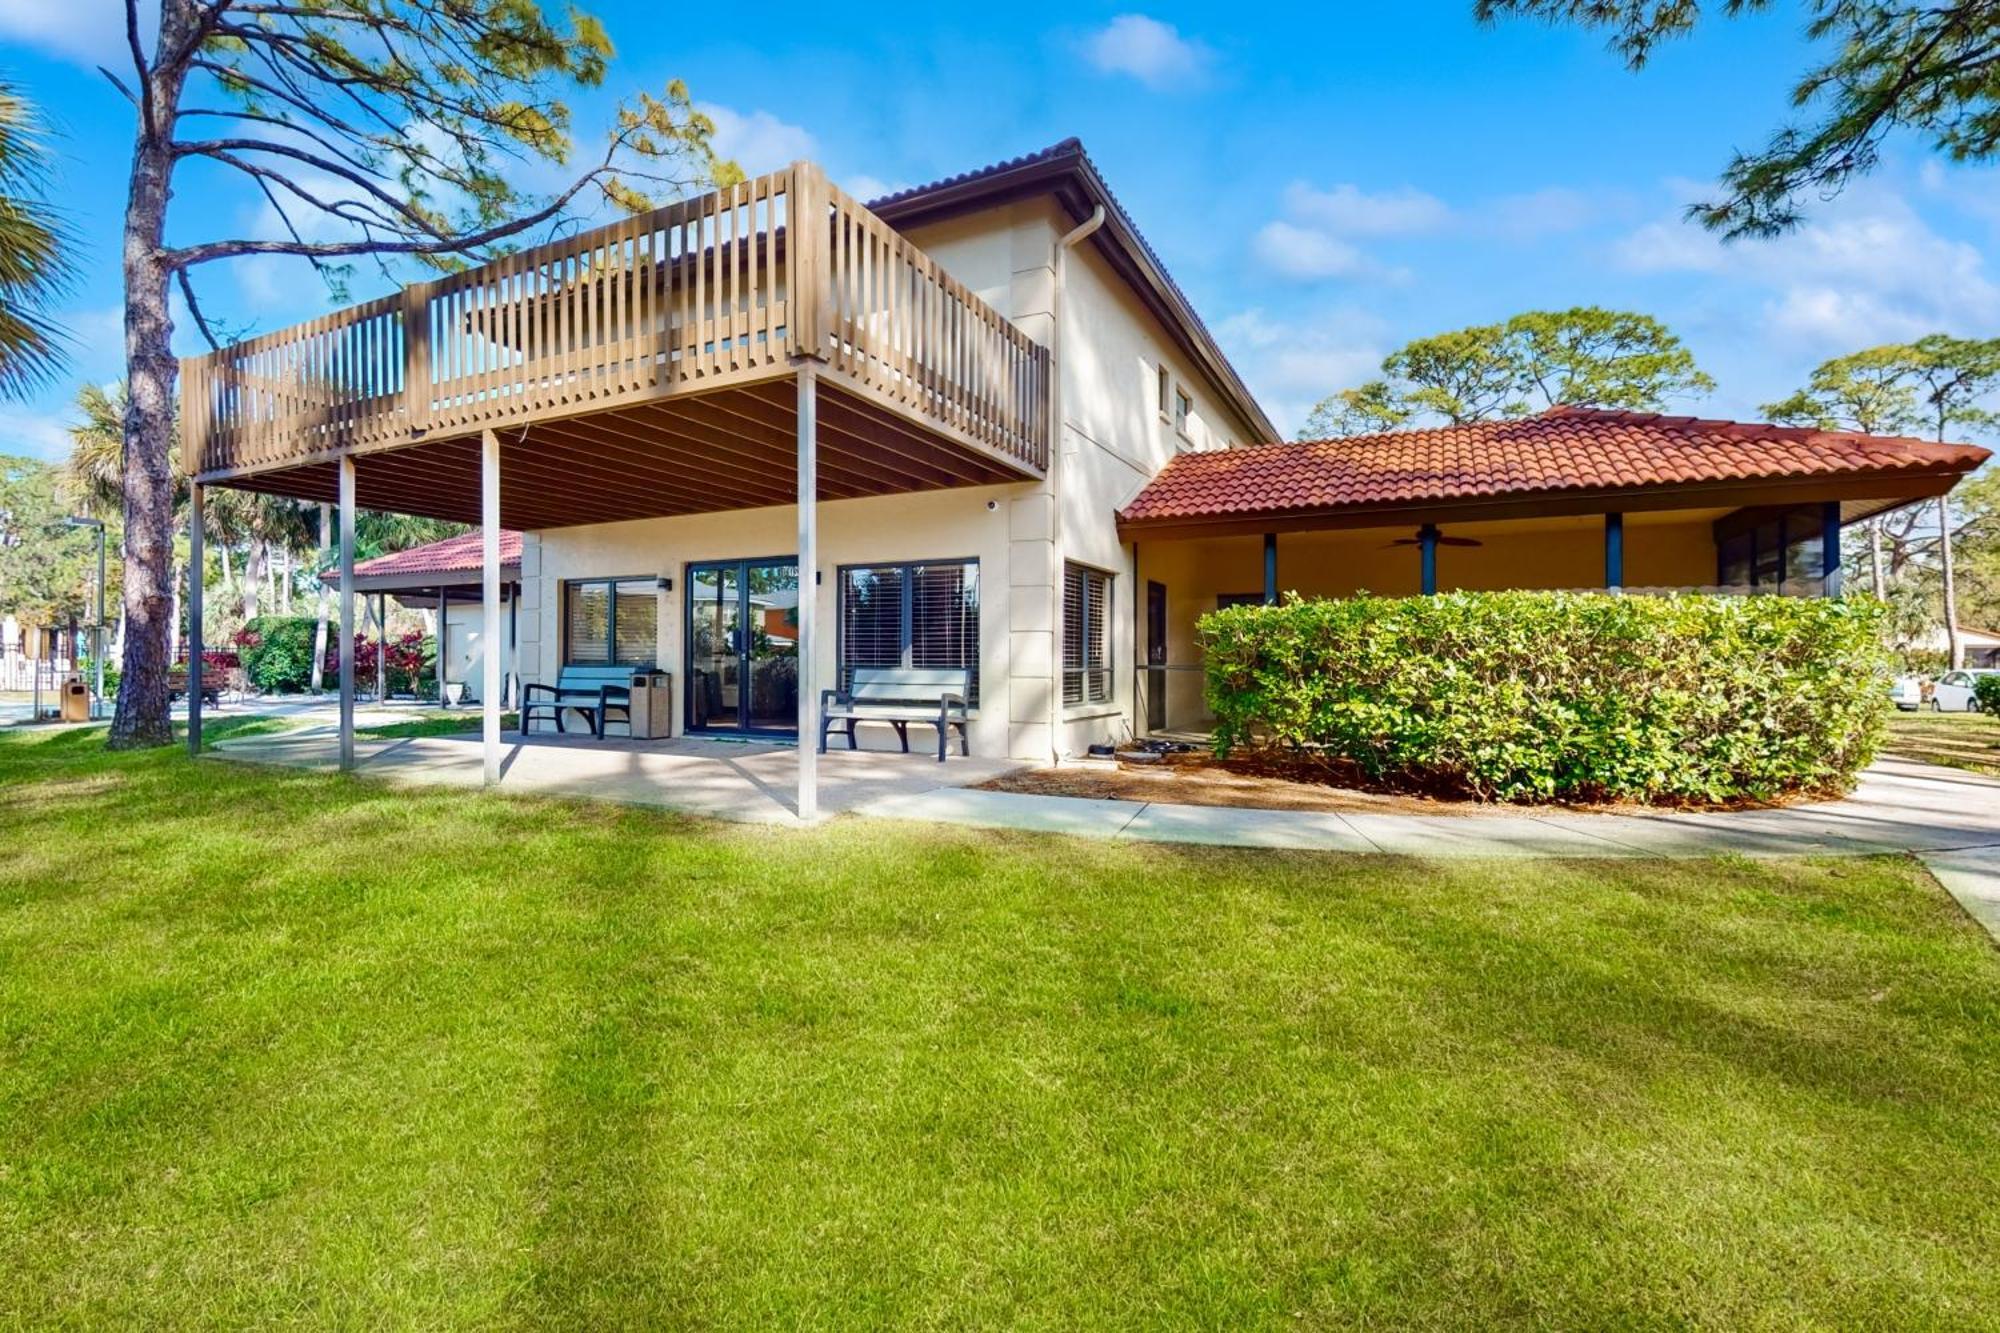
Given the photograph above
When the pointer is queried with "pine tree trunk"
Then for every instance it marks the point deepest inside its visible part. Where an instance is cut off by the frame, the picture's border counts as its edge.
(1952, 644)
(1879, 584)
(143, 714)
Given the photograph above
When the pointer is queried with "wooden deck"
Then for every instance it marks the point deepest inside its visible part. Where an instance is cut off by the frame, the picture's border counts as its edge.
(611, 361)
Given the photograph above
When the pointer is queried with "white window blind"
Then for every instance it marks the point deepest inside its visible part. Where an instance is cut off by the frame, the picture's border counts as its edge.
(1086, 635)
(612, 622)
(920, 615)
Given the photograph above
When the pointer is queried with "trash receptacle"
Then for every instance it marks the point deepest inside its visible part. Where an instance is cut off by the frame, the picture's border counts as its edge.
(652, 704)
(75, 700)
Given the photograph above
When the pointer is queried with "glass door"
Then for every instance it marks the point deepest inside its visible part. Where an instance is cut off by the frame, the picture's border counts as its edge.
(742, 639)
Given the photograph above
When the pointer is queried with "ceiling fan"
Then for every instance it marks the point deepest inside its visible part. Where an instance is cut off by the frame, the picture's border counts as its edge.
(1439, 537)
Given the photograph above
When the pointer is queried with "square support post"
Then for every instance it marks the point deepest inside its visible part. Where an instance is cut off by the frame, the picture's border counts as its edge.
(1427, 551)
(381, 648)
(444, 700)
(808, 503)
(346, 613)
(1270, 569)
(1614, 551)
(489, 584)
(197, 497)
(1829, 549)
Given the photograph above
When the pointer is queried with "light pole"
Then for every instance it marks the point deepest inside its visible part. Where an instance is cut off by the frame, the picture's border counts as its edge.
(96, 630)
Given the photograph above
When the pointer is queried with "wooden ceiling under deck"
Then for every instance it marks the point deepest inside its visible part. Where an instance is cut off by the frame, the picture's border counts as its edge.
(728, 449)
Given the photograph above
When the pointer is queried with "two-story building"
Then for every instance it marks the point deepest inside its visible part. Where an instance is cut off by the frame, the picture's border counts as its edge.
(772, 436)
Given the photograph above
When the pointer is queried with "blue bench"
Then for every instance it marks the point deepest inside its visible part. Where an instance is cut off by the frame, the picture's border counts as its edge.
(899, 696)
(597, 692)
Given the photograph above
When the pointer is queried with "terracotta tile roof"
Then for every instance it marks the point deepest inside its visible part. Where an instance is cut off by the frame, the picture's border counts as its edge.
(453, 555)
(1564, 449)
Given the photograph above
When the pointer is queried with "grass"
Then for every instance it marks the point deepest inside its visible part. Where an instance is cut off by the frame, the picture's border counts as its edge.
(285, 1046)
(1958, 740)
(435, 724)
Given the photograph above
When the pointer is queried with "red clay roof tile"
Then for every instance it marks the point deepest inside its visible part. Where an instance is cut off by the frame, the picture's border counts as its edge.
(453, 555)
(1564, 449)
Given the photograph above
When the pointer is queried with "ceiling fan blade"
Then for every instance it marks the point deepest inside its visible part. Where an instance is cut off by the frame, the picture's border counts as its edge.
(1460, 541)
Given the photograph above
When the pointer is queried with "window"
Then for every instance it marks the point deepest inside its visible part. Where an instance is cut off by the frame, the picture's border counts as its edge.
(1773, 552)
(1163, 401)
(1183, 409)
(916, 615)
(1086, 677)
(612, 622)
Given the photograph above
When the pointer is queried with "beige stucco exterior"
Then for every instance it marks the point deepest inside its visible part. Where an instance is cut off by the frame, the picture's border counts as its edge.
(1110, 352)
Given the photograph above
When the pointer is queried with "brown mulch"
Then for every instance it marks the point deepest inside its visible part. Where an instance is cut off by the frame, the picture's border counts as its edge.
(1260, 781)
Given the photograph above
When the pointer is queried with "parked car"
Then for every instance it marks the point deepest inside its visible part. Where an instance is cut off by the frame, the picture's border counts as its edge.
(1907, 693)
(1953, 691)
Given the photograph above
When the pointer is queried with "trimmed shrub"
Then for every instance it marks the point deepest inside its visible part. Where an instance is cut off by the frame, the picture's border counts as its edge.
(277, 653)
(1986, 693)
(412, 663)
(1524, 696)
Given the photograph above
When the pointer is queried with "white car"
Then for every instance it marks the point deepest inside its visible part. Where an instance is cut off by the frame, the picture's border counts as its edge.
(1953, 691)
(1907, 693)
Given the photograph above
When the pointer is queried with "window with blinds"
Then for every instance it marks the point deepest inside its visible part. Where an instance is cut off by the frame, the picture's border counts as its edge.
(1086, 635)
(612, 622)
(917, 615)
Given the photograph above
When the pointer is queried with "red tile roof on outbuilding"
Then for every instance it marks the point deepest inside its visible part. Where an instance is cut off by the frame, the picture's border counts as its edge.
(453, 555)
(1563, 450)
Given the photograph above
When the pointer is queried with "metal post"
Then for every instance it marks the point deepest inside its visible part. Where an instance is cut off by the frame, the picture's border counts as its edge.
(489, 583)
(808, 502)
(1427, 546)
(97, 631)
(346, 612)
(1829, 549)
(1270, 569)
(197, 497)
(444, 603)
(1614, 551)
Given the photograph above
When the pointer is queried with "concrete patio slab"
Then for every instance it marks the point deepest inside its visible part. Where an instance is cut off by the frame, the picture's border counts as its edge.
(1217, 826)
(1972, 877)
(1006, 809)
(752, 782)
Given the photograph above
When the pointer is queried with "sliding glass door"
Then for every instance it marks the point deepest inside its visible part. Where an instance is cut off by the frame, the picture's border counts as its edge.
(742, 645)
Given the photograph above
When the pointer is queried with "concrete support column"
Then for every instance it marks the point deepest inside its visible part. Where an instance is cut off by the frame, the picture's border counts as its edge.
(346, 612)
(808, 647)
(1270, 569)
(1614, 551)
(1034, 628)
(489, 584)
(444, 700)
(197, 496)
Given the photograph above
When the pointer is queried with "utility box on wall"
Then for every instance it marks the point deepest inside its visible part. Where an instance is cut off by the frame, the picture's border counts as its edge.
(652, 704)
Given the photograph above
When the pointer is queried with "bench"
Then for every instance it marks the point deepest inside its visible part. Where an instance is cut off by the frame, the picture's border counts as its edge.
(594, 691)
(899, 696)
(177, 685)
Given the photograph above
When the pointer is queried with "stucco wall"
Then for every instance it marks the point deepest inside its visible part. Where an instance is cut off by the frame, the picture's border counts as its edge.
(935, 525)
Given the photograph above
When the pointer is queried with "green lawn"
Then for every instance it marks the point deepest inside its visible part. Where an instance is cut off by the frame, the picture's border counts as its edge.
(1959, 740)
(282, 1046)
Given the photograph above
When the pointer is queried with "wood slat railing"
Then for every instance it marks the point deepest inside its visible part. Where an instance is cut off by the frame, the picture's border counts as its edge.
(709, 292)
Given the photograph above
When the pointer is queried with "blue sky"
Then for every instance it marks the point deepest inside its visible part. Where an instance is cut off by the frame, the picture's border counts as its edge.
(1324, 187)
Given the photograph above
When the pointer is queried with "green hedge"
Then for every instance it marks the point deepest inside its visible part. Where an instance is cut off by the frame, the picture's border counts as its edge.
(278, 652)
(1986, 693)
(1521, 696)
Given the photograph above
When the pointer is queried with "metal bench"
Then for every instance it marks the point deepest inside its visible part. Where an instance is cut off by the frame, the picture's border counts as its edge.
(595, 691)
(899, 696)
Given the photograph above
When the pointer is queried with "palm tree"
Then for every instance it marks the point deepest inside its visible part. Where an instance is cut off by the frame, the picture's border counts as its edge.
(34, 252)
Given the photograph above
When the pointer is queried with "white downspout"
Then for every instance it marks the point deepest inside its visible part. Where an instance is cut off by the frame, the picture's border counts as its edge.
(1059, 267)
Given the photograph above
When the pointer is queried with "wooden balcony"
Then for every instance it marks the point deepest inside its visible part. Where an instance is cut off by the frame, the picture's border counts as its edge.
(641, 368)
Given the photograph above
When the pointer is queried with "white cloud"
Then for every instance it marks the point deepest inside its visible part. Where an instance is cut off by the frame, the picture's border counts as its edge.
(1291, 364)
(1549, 211)
(1865, 269)
(89, 32)
(36, 434)
(865, 187)
(1347, 210)
(1293, 251)
(758, 140)
(1148, 50)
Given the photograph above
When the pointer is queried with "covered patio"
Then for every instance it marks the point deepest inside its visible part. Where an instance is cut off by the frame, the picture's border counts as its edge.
(741, 781)
(767, 346)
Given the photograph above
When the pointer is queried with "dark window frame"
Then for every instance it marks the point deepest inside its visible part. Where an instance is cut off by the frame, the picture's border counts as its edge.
(907, 611)
(611, 583)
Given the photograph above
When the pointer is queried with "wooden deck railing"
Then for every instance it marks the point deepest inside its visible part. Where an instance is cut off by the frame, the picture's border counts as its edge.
(719, 290)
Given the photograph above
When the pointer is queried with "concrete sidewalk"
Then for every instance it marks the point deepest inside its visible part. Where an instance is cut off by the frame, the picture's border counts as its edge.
(1949, 818)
